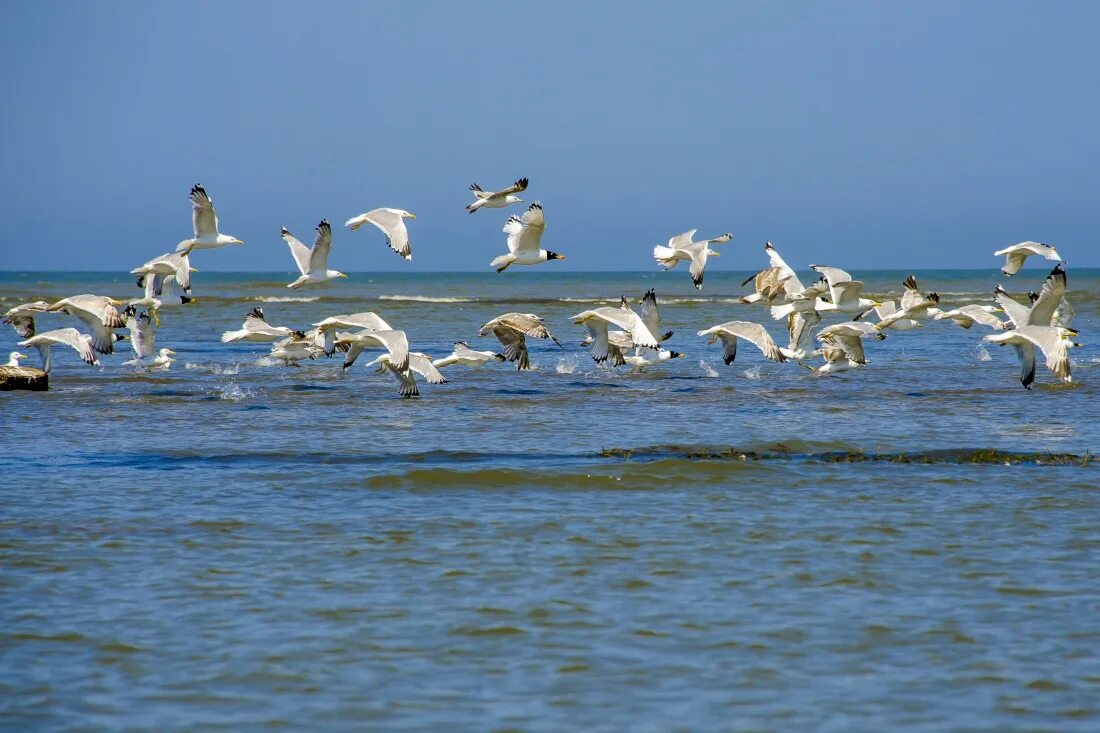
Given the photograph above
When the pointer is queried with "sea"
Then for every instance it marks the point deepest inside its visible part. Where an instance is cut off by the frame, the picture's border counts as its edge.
(239, 545)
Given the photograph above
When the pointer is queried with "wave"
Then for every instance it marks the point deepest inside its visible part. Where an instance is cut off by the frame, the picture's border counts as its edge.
(284, 298)
(428, 299)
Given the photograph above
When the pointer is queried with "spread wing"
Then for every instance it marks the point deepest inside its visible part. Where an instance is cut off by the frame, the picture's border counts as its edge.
(298, 250)
(203, 219)
(751, 332)
(698, 266)
(514, 229)
(142, 337)
(318, 256)
(912, 295)
(682, 240)
(1050, 297)
(650, 315)
(520, 185)
(514, 344)
(422, 365)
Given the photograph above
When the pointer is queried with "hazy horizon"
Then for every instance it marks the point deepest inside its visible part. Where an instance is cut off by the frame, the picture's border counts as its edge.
(831, 130)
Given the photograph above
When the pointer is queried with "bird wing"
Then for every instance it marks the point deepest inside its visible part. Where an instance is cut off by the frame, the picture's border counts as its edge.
(847, 292)
(911, 296)
(800, 328)
(698, 265)
(755, 334)
(886, 309)
(978, 314)
(1050, 297)
(514, 344)
(528, 324)
(520, 185)
(68, 337)
(422, 365)
(650, 315)
(628, 320)
(203, 218)
(395, 342)
(142, 337)
(393, 226)
(1016, 311)
(299, 251)
(682, 240)
(833, 275)
(514, 229)
(1053, 346)
(853, 347)
(318, 256)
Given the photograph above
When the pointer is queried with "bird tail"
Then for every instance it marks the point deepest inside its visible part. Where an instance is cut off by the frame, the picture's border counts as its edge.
(750, 299)
(501, 263)
(665, 256)
(780, 312)
(355, 223)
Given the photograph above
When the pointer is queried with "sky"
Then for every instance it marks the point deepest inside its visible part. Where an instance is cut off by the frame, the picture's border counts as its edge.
(885, 135)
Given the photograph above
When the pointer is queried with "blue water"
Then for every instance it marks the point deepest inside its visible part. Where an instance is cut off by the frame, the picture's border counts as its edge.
(236, 545)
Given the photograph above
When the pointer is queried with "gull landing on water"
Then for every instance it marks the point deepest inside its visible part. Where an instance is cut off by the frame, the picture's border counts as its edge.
(392, 224)
(682, 248)
(1017, 254)
(525, 240)
(496, 199)
(205, 223)
(312, 262)
(143, 339)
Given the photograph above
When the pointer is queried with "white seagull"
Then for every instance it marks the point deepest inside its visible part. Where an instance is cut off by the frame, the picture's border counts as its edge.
(598, 319)
(800, 328)
(1018, 253)
(836, 360)
(463, 355)
(849, 336)
(967, 315)
(418, 363)
(844, 292)
(144, 341)
(393, 341)
(205, 223)
(98, 312)
(81, 343)
(681, 248)
(915, 307)
(312, 262)
(256, 330)
(296, 347)
(14, 357)
(392, 224)
(729, 332)
(525, 240)
(169, 265)
(367, 320)
(1053, 341)
(21, 317)
(511, 330)
(496, 199)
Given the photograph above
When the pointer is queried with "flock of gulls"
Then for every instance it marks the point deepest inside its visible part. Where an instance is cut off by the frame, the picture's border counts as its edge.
(616, 336)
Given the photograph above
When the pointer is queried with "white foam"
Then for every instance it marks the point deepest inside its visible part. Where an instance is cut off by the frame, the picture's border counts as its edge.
(566, 365)
(221, 370)
(427, 299)
(753, 373)
(233, 392)
(284, 299)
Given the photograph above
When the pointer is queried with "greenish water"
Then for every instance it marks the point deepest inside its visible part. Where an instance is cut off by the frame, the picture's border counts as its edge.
(237, 545)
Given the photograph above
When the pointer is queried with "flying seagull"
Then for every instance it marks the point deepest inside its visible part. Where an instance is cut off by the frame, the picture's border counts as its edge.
(168, 265)
(496, 199)
(419, 364)
(681, 248)
(312, 262)
(256, 330)
(728, 333)
(598, 319)
(98, 312)
(367, 320)
(849, 336)
(81, 343)
(844, 292)
(525, 240)
(393, 341)
(1018, 253)
(967, 315)
(392, 224)
(511, 330)
(144, 341)
(463, 355)
(21, 317)
(1053, 341)
(205, 223)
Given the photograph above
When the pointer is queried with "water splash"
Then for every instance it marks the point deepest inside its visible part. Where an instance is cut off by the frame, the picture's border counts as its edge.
(566, 365)
(233, 392)
(982, 353)
(708, 370)
(753, 373)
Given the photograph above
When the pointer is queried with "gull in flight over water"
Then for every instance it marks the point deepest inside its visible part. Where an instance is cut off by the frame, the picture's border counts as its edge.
(1053, 341)
(296, 347)
(205, 223)
(844, 293)
(170, 265)
(392, 224)
(836, 360)
(366, 321)
(598, 319)
(512, 330)
(418, 363)
(496, 199)
(800, 328)
(681, 248)
(144, 341)
(1018, 253)
(21, 317)
(393, 341)
(256, 330)
(525, 240)
(81, 343)
(312, 262)
(728, 333)
(849, 336)
(915, 307)
(463, 355)
(967, 315)
(98, 312)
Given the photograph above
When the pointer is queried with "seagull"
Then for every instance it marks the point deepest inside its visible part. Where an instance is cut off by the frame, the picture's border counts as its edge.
(14, 357)
(463, 355)
(836, 360)
(849, 336)
(21, 317)
(967, 315)
(99, 313)
(168, 265)
(800, 329)
(1053, 341)
(312, 263)
(392, 224)
(681, 247)
(294, 348)
(79, 342)
(524, 240)
(598, 319)
(205, 223)
(256, 330)
(419, 363)
(754, 333)
(1018, 253)
(511, 330)
(496, 199)
(844, 292)
(367, 320)
(160, 292)
(1014, 310)
(915, 306)
(619, 342)
(143, 339)
(642, 358)
(1050, 297)
(393, 341)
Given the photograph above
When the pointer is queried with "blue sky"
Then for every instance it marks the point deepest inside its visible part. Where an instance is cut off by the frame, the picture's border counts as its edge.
(862, 134)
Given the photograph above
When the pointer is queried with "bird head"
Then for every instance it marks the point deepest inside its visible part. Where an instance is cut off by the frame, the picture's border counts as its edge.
(237, 241)
(713, 253)
(675, 355)
(554, 256)
(724, 238)
(167, 352)
(408, 215)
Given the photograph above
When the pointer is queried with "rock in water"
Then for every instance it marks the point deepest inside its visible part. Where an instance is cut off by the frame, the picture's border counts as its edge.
(30, 378)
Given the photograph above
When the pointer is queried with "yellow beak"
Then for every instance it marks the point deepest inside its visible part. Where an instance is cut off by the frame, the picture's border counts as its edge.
(412, 215)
